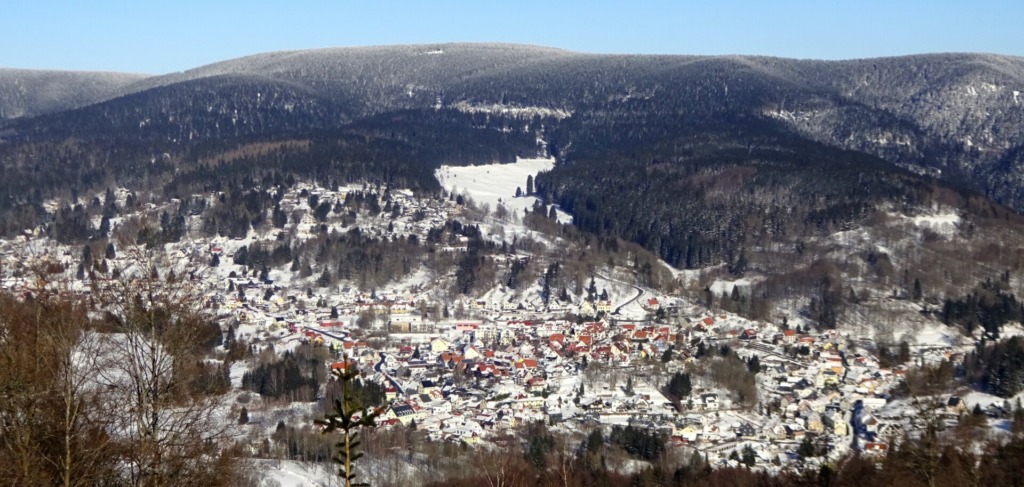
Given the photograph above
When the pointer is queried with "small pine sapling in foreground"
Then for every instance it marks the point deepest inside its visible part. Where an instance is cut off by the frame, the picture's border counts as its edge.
(348, 417)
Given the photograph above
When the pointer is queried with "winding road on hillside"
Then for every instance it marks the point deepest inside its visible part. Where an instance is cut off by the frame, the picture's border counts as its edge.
(639, 293)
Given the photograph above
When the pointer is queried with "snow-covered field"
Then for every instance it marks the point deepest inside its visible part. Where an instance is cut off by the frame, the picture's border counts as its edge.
(495, 184)
(295, 474)
(944, 223)
(985, 400)
(721, 286)
(937, 335)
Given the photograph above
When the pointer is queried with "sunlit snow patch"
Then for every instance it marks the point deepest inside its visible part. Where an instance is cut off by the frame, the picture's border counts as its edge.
(943, 223)
(494, 184)
(522, 112)
(743, 285)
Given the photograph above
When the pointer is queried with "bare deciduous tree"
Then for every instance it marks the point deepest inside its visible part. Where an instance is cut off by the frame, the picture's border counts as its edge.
(163, 408)
(51, 419)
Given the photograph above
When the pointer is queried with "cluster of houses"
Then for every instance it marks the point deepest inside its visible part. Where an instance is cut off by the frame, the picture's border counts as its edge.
(472, 378)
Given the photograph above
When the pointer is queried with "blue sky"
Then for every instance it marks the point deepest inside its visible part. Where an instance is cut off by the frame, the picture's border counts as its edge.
(162, 37)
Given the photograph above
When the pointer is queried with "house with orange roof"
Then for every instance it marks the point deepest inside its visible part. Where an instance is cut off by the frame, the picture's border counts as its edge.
(581, 348)
(343, 365)
(535, 384)
(449, 360)
(876, 447)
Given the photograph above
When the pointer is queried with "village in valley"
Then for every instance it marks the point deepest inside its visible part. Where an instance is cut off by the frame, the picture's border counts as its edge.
(470, 369)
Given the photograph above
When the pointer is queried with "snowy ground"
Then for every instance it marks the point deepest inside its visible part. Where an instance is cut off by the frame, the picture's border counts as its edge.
(938, 335)
(986, 400)
(295, 474)
(721, 287)
(942, 223)
(495, 184)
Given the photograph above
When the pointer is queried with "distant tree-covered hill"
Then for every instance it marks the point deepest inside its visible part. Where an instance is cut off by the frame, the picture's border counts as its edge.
(27, 92)
(698, 158)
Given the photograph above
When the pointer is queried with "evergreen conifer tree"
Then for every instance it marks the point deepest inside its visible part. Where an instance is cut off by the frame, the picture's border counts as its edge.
(347, 418)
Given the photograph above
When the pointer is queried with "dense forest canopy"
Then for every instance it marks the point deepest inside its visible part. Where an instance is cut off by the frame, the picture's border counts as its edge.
(698, 159)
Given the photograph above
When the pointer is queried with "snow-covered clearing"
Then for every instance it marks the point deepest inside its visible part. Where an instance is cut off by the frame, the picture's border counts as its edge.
(743, 285)
(288, 473)
(985, 400)
(495, 184)
(935, 220)
(937, 335)
(687, 276)
(942, 223)
(1011, 330)
(523, 112)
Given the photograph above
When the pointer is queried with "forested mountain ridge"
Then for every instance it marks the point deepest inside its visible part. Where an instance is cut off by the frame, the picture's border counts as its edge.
(28, 92)
(959, 97)
(654, 135)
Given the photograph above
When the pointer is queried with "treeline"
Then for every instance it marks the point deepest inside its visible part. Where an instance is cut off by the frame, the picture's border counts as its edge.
(714, 194)
(473, 263)
(561, 276)
(255, 203)
(638, 442)
(998, 368)
(74, 222)
(990, 306)
(927, 462)
(363, 392)
(296, 376)
(350, 255)
(301, 443)
(369, 262)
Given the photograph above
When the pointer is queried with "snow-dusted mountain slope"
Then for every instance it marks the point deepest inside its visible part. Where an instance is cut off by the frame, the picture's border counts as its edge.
(27, 92)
